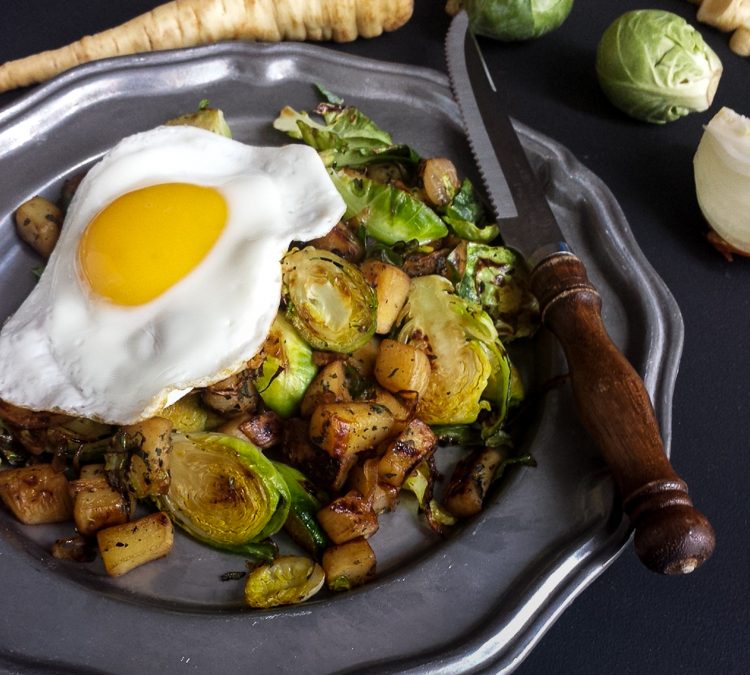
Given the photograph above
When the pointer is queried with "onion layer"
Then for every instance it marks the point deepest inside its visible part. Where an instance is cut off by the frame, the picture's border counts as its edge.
(722, 177)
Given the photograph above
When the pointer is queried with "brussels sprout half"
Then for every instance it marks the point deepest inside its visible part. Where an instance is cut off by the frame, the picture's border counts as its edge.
(224, 492)
(465, 351)
(656, 67)
(286, 369)
(387, 213)
(288, 580)
(328, 300)
(210, 119)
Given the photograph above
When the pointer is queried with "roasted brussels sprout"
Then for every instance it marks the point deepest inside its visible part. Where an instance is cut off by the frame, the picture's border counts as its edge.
(328, 300)
(210, 119)
(496, 278)
(288, 580)
(225, 493)
(387, 213)
(344, 137)
(285, 368)
(467, 217)
(462, 344)
(189, 415)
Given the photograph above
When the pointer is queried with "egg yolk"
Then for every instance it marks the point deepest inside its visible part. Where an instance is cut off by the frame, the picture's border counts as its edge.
(145, 241)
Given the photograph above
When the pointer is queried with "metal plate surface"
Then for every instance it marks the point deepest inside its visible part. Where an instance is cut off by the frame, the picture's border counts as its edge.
(479, 599)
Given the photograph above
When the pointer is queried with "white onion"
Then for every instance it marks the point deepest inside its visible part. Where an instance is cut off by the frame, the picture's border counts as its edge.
(722, 177)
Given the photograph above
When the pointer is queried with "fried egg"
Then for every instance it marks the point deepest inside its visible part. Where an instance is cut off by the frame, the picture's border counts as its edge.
(166, 275)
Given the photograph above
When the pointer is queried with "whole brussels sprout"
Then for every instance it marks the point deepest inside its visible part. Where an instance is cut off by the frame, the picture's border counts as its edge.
(656, 67)
(511, 20)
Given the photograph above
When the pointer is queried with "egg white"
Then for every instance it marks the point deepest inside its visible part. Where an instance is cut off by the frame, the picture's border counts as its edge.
(70, 351)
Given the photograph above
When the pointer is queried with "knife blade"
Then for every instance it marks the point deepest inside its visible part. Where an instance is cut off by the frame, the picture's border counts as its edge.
(671, 535)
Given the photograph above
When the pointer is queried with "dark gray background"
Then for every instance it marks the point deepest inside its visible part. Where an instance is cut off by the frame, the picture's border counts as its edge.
(629, 620)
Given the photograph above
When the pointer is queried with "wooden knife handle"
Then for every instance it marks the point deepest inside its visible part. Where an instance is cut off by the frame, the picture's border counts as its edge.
(671, 536)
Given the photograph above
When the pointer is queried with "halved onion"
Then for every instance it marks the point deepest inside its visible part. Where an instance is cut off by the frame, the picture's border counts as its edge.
(722, 178)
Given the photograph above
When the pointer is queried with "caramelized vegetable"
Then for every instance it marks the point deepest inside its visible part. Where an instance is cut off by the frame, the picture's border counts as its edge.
(328, 300)
(225, 493)
(36, 494)
(96, 504)
(348, 517)
(130, 545)
(349, 565)
(288, 580)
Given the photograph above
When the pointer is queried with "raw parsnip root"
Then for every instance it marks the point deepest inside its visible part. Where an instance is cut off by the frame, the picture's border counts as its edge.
(728, 16)
(739, 43)
(188, 23)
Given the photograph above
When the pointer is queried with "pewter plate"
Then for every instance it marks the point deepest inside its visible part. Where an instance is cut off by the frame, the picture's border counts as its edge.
(476, 601)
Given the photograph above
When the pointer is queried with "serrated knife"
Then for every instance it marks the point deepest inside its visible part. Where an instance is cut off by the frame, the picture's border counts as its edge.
(671, 536)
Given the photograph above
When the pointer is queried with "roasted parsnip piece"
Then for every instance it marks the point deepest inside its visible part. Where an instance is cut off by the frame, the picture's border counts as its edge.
(96, 504)
(36, 494)
(440, 180)
(402, 406)
(38, 223)
(413, 445)
(348, 517)
(344, 430)
(471, 480)
(363, 359)
(127, 546)
(343, 241)
(329, 386)
(349, 565)
(234, 395)
(263, 430)
(402, 367)
(391, 287)
(321, 468)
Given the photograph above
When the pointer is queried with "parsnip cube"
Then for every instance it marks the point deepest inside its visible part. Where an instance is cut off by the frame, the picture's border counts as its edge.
(403, 407)
(402, 367)
(347, 518)
(471, 480)
(127, 546)
(414, 444)
(348, 565)
(391, 287)
(346, 429)
(36, 494)
(328, 386)
(96, 504)
(322, 469)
